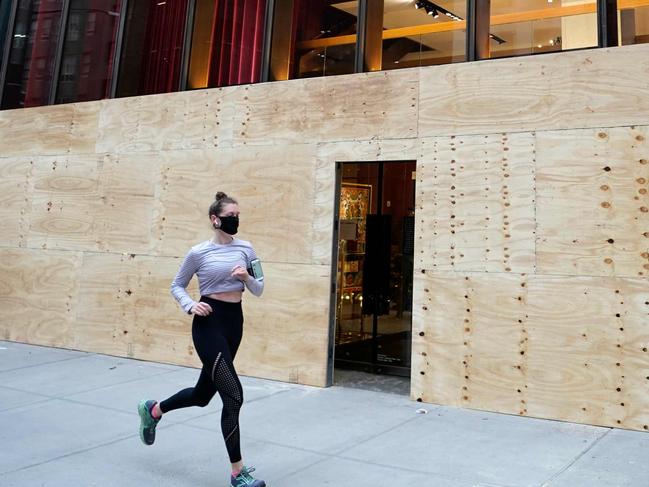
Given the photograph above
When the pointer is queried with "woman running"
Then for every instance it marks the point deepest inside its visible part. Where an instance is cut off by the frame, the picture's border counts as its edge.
(221, 265)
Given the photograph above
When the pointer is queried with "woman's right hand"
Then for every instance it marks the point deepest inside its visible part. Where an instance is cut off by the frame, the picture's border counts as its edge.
(201, 309)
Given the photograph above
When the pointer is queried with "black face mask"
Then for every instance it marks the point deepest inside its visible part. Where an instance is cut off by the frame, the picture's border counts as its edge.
(229, 224)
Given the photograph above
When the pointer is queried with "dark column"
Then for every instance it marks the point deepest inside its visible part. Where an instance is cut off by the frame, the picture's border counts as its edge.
(477, 29)
(369, 44)
(607, 23)
(279, 51)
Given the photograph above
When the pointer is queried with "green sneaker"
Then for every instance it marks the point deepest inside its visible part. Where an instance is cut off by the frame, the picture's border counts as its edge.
(147, 422)
(245, 479)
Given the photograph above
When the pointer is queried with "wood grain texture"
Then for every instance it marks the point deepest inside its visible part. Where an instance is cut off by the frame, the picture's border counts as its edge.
(475, 203)
(16, 187)
(493, 342)
(186, 120)
(582, 89)
(286, 331)
(126, 309)
(339, 108)
(273, 185)
(593, 202)
(38, 296)
(92, 202)
(60, 129)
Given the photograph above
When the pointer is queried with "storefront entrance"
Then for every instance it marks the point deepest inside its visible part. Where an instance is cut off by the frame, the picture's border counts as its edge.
(375, 236)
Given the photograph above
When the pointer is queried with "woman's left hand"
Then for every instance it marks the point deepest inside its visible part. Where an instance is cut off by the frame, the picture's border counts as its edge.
(240, 273)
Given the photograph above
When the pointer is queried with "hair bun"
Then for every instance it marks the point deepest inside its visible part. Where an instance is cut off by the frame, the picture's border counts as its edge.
(220, 195)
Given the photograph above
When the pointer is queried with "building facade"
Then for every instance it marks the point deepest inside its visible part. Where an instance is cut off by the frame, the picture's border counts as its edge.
(480, 227)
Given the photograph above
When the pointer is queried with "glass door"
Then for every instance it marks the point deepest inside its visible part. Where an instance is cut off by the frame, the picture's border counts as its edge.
(375, 262)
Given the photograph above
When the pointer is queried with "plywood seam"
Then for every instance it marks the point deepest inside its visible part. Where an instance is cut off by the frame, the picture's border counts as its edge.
(536, 220)
(136, 254)
(528, 131)
(450, 273)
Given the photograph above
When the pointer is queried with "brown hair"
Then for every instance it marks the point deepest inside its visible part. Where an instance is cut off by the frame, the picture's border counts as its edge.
(220, 200)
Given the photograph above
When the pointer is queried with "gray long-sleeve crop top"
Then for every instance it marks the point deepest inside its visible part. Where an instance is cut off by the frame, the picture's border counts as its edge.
(213, 263)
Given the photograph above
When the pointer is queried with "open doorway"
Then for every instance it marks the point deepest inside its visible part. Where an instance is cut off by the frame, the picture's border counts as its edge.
(374, 265)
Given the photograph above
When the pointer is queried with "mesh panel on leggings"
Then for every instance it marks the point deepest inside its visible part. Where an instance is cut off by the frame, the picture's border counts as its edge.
(229, 388)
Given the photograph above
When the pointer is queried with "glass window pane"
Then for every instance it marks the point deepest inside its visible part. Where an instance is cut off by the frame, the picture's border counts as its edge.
(152, 48)
(436, 33)
(227, 43)
(539, 26)
(5, 10)
(87, 62)
(320, 40)
(634, 24)
(32, 53)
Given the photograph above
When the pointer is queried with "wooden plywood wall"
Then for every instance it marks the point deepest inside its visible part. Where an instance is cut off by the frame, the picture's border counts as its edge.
(531, 288)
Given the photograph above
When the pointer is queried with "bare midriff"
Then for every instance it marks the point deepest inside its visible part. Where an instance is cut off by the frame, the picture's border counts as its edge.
(228, 296)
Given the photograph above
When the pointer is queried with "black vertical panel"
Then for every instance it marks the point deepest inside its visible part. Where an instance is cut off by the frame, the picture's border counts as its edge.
(187, 45)
(361, 28)
(119, 42)
(376, 267)
(607, 23)
(6, 45)
(268, 39)
(477, 29)
(65, 13)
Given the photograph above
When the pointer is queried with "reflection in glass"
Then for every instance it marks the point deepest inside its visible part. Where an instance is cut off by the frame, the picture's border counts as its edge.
(152, 49)
(437, 34)
(87, 61)
(634, 25)
(538, 26)
(319, 41)
(375, 264)
(226, 43)
(32, 53)
(5, 10)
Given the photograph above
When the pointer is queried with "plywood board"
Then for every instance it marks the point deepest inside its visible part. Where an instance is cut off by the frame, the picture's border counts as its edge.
(495, 342)
(274, 187)
(92, 202)
(38, 296)
(588, 88)
(16, 187)
(188, 120)
(340, 108)
(60, 128)
(593, 202)
(126, 309)
(286, 331)
(476, 203)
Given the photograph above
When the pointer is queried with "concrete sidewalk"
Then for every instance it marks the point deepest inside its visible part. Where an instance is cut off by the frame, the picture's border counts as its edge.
(69, 419)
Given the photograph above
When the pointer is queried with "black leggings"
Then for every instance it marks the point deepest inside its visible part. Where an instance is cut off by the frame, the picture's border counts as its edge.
(216, 339)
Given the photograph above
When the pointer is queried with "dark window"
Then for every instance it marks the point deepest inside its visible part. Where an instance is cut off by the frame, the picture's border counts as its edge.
(313, 38)
(5, 10)
(423, 34)
(87, 63)
(32, 53)
(227, 43)
(153, 46)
